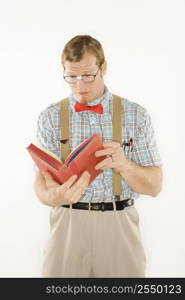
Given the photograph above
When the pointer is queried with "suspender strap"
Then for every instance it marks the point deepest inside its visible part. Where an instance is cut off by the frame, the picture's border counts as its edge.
(117, 136)
(64, 129)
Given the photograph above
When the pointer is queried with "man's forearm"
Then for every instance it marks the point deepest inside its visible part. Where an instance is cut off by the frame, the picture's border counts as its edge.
(40, 190)
(142, 179)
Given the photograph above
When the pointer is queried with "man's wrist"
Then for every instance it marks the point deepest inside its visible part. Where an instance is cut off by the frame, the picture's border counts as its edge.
(125, 166)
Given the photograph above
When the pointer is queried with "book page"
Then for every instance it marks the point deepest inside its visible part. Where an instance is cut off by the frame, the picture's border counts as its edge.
(77, 152)
(49, 152)
(78, 149)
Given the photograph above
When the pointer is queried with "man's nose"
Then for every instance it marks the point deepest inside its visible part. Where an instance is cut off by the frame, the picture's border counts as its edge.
(80, 82)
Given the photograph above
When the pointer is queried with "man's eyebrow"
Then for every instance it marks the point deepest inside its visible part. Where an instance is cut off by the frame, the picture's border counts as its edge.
(71, 73)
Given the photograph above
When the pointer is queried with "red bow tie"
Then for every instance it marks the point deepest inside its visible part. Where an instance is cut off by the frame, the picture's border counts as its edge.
(96, 108)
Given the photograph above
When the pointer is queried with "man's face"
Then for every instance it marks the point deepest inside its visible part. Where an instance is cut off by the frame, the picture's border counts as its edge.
(86, 92)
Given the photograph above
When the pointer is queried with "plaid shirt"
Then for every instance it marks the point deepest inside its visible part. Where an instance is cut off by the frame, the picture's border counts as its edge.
(137, 125)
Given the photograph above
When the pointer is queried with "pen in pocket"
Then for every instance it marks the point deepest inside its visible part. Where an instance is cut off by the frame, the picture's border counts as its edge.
(128, 144)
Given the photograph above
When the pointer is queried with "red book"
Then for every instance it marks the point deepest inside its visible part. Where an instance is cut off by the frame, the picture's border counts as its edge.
(80, 159)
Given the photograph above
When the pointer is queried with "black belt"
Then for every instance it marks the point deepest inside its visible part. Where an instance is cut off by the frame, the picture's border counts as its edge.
(102, 205)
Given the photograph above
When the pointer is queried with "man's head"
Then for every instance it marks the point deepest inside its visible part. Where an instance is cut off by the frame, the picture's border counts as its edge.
(83, 55)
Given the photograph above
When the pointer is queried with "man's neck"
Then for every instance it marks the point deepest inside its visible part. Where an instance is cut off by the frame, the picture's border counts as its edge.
(99, 95)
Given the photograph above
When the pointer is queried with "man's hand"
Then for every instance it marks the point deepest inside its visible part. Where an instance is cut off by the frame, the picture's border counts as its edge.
(115, 157)
(53, 194)
(142, 179)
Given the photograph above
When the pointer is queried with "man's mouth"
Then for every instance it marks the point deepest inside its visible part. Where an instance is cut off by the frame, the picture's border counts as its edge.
(83, 93)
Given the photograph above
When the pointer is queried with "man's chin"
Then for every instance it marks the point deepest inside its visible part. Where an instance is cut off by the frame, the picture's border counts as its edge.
(84, 99)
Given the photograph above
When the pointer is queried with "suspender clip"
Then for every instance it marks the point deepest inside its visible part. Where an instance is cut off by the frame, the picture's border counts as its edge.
(117, 197)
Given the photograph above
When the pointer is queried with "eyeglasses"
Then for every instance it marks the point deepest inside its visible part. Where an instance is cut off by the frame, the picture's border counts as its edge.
(87, 78)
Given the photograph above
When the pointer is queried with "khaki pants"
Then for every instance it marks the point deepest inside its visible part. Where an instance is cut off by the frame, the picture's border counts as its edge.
(86, 243)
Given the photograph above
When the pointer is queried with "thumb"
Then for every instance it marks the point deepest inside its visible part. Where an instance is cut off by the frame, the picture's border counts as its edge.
(50, 182)
(47, 176)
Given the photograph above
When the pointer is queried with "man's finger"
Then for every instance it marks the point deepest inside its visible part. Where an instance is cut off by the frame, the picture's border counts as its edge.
(105, 152)
(81, 184)
(78, 192)
(85, 176)
(66, 185)
(105, 163)
(48, 177)
(111, 144)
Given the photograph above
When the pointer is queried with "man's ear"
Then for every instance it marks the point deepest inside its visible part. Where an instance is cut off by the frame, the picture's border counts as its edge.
(104, 68)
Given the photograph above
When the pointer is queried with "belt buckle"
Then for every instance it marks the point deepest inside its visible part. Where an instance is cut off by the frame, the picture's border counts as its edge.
(102, 206)
(89, 206)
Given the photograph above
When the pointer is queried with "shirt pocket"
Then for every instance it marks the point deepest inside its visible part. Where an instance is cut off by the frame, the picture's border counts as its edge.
(140, 139)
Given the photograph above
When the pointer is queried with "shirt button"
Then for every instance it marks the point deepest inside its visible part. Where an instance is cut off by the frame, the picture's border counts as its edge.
(92, 120)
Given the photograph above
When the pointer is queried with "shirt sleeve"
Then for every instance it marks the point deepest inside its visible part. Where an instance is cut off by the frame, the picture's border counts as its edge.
(44, 132)
(145, 150)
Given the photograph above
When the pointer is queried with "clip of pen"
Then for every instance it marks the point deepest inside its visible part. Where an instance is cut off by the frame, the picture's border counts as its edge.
(128, 144)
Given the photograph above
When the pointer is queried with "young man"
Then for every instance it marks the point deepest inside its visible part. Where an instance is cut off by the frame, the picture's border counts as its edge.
(85, 242)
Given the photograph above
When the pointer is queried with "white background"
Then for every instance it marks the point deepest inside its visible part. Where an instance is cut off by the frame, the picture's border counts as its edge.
(144, 46)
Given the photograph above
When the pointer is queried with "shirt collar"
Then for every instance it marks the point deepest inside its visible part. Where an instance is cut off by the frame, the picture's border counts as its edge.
(104, 100)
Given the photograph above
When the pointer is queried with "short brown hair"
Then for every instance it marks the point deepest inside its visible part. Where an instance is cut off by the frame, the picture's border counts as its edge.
(77, 46)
